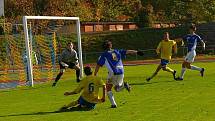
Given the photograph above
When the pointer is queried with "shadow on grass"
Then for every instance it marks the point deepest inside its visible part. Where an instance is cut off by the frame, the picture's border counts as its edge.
(49, 112)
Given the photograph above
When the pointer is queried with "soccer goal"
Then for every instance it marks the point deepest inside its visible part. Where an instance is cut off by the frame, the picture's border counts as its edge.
(45, 36)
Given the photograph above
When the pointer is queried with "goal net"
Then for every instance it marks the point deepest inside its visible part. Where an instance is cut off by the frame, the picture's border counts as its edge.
(44, 43)
(30, 51)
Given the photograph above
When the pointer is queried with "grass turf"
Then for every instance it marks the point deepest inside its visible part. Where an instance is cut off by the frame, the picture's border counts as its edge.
(161, 99)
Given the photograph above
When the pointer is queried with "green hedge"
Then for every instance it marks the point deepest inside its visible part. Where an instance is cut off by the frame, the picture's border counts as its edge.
(135, 39)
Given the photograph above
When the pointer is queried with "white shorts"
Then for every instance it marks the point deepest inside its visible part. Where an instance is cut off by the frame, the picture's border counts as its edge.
(116, 80)
(190, 56)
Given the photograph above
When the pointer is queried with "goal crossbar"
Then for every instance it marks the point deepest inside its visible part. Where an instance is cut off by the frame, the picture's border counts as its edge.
(29, 61)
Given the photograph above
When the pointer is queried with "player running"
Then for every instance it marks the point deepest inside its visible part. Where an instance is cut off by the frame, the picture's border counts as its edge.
(191, 40)
(112, 58)
(68, 59)
(165, 48)
(90, 91)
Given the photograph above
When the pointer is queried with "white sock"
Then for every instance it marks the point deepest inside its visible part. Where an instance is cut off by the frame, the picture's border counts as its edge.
(195, 68)
(111, 97)
(182, 72)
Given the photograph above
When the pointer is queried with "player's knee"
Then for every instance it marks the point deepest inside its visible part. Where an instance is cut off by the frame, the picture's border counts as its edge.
(163, 68)
(188, 66)
(109, 86)
(183, 65)
(61, 72)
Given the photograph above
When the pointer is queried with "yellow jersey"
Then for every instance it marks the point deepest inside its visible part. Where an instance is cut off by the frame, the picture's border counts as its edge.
(165, 48)
(90, 86)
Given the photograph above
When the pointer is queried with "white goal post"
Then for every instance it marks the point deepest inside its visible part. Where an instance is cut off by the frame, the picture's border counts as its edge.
(25, 26)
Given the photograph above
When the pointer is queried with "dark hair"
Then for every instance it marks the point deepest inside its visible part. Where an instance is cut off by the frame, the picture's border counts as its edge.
(106, 44)
(166, 32)
(193, 27)
(88, 71)
(69, 42)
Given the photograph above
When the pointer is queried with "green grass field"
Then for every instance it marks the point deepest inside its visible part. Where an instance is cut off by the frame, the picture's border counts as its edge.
(162, 99)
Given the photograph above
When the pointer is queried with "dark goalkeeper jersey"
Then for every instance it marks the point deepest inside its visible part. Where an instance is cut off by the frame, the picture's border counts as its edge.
(69, 56)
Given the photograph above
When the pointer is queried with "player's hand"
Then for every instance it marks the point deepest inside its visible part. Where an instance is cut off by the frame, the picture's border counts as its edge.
(140, 53)
(67, 93)
(64, 64)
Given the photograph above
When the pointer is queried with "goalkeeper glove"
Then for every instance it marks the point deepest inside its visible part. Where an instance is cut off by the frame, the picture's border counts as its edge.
(64, 64)
(140, 53)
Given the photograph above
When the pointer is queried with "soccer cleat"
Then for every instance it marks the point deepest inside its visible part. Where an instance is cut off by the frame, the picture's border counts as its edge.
(113, 106)
(202, 72)
(54, 84)
(178, 79)
(174, 74)
(148, 79)
(127, 86)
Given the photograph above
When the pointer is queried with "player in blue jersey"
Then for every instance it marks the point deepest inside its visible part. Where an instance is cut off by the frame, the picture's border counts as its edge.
(112, 58)
(191, 39)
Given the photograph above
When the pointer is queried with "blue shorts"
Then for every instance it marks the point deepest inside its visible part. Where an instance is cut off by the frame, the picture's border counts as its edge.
(83, 102)
(164, 62)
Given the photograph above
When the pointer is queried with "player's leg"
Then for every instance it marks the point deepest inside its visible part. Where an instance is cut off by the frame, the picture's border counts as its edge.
(155, 73)
(85, 104)
(70, 105)
(77, 69)
(119, 84)
(168, 69)
(187, 63)
(62, 70)
(110, 95)
(192, 67)
(183, 69)
(109, 86)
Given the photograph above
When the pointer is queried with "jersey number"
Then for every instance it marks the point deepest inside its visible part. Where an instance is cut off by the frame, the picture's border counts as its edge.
(91, 87)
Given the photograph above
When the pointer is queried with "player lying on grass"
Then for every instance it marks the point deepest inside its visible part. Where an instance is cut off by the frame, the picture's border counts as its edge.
(165, 48)
(112, 58)
(90, 91)
(68, 59)
(191, 41)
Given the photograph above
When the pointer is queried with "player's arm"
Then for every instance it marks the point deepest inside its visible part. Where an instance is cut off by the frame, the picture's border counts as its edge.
(97, 69)
(180, 41)
(175, 49)
(158, 48)
(76, 56)
(70, 93)
(76, 91)
(203, 44)
(100, 63)
(138, 52)
(131, 52)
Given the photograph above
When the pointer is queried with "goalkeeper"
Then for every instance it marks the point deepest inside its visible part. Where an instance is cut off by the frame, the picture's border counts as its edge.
(165, 48)
(90, 94)
(68, 59)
